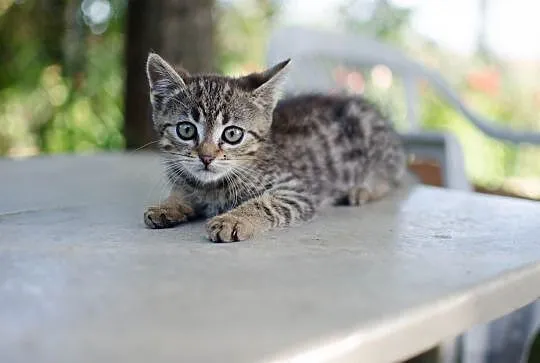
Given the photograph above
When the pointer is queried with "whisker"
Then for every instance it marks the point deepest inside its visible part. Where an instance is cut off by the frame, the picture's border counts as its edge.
(174, 173)
(142, 147)
(248, 177)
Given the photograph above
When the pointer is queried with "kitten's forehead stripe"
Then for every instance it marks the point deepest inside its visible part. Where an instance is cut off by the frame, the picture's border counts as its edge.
(225, 119)
(195, 114)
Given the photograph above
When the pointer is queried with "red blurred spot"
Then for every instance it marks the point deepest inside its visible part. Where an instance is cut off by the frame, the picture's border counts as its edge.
(487, 80)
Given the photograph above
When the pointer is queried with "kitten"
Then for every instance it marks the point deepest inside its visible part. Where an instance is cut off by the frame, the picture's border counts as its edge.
(233, 153)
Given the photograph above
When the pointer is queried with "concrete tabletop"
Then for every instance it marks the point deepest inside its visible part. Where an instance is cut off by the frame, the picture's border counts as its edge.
(82, 280)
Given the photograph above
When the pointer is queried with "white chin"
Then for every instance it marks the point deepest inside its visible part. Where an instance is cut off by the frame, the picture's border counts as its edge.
(207, 176)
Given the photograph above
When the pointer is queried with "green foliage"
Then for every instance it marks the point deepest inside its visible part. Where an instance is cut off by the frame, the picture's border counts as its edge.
(243, 28)
(482, 154)
(51, 101)
(378, 19)
(489, 162)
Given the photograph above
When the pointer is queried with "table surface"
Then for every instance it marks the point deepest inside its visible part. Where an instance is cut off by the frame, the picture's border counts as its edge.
(82, 280)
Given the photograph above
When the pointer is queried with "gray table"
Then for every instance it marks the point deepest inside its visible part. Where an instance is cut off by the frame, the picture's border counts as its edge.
(82, 280)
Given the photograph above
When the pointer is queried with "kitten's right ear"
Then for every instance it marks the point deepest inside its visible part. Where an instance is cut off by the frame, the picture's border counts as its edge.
(162, 78)
(266, 85)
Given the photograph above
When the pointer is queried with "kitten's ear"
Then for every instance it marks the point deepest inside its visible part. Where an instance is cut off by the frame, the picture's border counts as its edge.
(266, 85)
(162, 78)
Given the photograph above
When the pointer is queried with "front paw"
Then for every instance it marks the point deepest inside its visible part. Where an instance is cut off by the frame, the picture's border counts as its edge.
(229, 228)
(164, 217)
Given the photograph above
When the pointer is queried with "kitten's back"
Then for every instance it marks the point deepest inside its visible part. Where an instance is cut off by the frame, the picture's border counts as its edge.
(336, 141)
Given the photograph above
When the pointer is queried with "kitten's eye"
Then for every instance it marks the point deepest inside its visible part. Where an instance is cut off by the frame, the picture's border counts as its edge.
(232, 135)
(186, 130)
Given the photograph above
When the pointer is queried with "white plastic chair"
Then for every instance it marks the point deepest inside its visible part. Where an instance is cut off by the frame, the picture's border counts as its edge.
(307, 74)
(308, 47)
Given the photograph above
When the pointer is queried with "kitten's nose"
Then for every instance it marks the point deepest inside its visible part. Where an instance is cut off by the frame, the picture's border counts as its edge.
(206, 159)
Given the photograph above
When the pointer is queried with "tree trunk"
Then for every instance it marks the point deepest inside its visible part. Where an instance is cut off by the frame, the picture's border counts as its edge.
(181, 31)
(187, 34)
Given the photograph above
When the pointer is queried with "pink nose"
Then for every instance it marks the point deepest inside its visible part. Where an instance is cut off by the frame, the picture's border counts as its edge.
(206, 159)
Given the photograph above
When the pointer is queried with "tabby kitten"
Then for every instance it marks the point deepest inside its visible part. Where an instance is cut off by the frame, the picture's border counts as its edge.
(233, 153)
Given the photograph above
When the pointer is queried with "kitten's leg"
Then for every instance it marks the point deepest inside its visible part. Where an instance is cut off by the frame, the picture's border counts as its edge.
(378, 183)
(363, 194)
(169, 213)
(275, 209)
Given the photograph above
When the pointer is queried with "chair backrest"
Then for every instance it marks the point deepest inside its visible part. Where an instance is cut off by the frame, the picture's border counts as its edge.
(312, 50)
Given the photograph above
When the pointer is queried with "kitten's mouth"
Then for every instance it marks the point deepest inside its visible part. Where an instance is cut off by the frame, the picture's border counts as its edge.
(207, 173)
(206, 170)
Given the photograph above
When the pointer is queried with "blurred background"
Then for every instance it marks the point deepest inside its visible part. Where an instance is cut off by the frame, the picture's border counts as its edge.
(72, 72)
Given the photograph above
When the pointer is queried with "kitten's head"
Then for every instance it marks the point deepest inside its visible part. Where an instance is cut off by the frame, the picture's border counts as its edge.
(210, 126)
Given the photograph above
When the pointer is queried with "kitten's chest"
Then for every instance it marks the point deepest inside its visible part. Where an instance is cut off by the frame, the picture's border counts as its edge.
(211, 203)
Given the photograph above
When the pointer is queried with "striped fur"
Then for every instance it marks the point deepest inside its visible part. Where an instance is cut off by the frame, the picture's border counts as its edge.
(296, 157)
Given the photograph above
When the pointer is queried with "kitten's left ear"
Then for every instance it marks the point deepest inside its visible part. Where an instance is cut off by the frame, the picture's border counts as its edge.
(266, 85)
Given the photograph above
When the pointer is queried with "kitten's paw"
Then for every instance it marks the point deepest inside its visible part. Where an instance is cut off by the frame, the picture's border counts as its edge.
(361, 195)
(358, 196)
(164, 217)
(229, 228)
